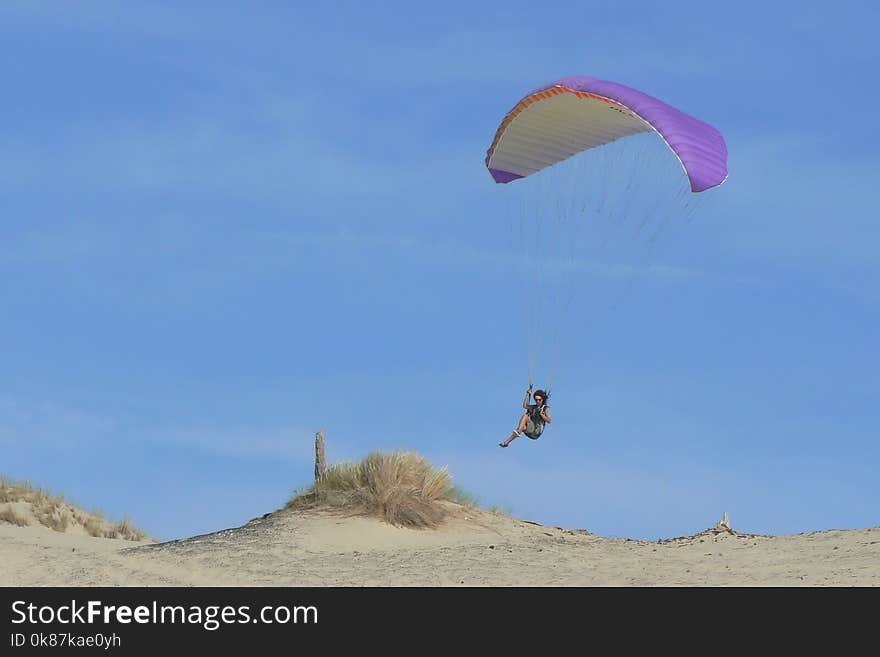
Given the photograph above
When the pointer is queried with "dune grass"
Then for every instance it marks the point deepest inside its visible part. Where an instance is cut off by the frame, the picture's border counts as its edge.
(58, 514)
(402, 488)
(10, 516)
(465, 498)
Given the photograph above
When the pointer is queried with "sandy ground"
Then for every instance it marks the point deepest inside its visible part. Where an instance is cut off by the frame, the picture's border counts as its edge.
(474, 548)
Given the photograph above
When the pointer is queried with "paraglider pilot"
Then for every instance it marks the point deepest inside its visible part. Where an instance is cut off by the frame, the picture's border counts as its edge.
(533, 420)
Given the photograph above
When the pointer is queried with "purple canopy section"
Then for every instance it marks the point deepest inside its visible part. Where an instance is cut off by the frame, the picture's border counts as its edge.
(698, 145)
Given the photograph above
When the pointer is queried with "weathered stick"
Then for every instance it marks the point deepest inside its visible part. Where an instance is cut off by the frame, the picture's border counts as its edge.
(320, 457)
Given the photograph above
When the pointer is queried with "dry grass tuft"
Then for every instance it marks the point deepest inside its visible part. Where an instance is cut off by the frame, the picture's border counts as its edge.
(402, 488)
(125, 530)
(94, 527)
(51, 515)
(10, 516)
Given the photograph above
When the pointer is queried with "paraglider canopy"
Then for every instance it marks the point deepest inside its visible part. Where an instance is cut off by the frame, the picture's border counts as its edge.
(573, 114)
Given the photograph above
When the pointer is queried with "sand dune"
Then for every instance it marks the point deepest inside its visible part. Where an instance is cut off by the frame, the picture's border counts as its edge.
(473, 548)
(25, 505)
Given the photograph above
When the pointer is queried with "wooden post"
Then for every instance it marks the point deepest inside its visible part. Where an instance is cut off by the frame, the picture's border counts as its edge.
(320, 457)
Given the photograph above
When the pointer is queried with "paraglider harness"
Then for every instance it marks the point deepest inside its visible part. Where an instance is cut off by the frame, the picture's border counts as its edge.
(535, 426)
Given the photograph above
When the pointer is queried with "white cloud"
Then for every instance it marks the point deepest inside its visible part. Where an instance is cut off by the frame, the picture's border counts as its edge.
(289, 444)
(45, 423)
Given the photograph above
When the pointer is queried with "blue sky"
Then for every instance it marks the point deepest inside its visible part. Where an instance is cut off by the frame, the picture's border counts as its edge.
(223, 229)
